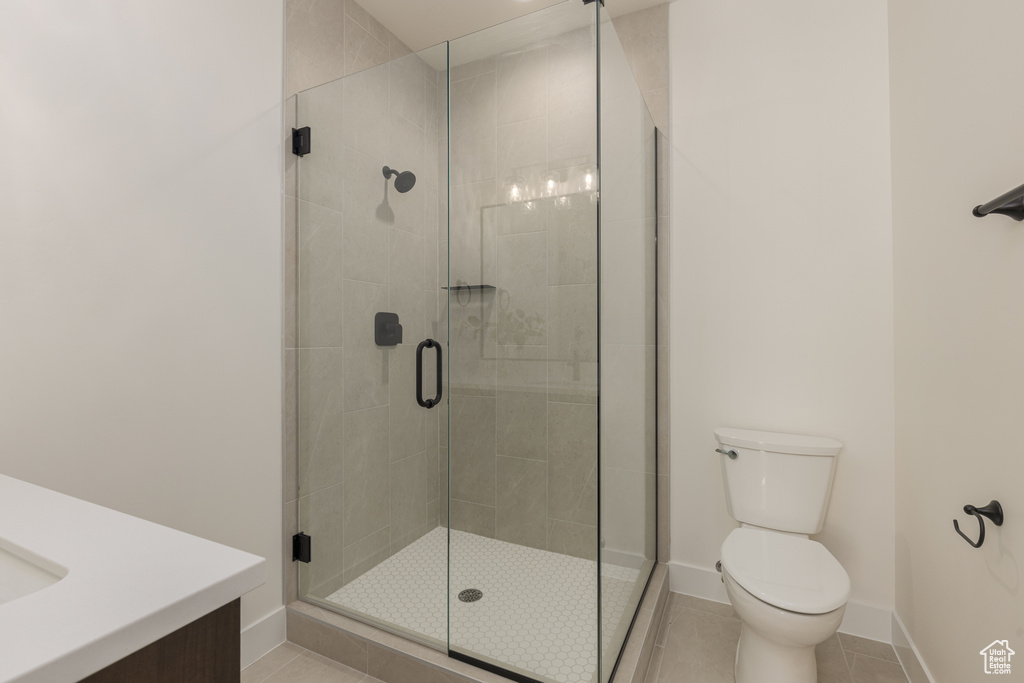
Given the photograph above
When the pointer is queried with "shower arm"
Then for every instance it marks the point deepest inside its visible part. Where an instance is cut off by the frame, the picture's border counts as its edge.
(1009, 204)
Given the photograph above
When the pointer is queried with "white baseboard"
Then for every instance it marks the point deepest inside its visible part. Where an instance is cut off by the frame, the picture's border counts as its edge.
(908, 654)
(866, 621)
(696, 581)
(260, 638)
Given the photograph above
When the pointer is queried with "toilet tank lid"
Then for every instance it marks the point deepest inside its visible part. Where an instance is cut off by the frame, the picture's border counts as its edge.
(796, 444)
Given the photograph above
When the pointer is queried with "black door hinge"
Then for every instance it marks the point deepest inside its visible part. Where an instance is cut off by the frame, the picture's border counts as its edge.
(300, 141)
(301, 547)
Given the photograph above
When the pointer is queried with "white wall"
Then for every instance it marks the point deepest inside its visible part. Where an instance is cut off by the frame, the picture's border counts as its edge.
(957, 142)
(140, 232)
(781, 261)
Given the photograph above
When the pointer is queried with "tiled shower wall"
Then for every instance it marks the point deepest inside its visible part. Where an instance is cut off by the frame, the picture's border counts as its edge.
(329, 39)
(524, 376)
(362, 458)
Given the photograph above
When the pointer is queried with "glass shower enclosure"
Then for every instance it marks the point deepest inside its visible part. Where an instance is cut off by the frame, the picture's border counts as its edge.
(476, 328)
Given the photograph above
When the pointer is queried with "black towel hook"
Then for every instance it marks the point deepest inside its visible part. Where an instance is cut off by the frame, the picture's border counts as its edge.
(994, 511)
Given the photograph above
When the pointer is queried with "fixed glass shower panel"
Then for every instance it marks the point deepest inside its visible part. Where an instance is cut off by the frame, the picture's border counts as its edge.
(523, 315)
(628, 347)
(370, 219)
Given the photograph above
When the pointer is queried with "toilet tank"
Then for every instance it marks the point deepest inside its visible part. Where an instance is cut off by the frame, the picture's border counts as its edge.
(778, 481)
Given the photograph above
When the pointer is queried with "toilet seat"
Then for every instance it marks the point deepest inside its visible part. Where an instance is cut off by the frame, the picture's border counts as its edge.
(789, 572)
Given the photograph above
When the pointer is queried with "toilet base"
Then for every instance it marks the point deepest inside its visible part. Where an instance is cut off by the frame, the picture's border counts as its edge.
(759, 660)
(777, 646)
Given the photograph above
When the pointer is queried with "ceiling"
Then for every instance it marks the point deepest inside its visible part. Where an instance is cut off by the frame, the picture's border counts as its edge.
(422, 23)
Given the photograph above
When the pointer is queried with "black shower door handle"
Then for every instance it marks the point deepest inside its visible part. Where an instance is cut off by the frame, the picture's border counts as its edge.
(430, 402)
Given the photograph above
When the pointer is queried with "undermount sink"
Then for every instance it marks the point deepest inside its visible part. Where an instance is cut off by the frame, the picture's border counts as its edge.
(22, 573)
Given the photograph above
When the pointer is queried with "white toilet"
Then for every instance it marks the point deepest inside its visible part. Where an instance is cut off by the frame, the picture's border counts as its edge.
(788, 591)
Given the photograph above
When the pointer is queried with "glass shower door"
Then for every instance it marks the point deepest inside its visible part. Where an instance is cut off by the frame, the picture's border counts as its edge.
(523, 316)
(367, 237)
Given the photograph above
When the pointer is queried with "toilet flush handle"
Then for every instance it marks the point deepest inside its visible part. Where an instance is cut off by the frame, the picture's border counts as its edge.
(731, 453)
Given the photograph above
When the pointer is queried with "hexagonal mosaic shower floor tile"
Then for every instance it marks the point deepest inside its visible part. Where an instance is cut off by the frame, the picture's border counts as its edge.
(537, 614)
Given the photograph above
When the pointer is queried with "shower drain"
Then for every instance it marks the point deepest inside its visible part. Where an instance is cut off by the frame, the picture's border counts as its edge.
(470, 595)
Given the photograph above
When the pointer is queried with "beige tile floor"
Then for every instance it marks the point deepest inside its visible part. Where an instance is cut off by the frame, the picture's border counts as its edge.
(697, 644)
(288, 663)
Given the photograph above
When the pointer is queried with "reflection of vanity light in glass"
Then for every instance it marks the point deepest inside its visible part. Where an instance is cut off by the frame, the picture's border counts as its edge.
(549, 184)
(563, 202)
(587, 183)
(588, 180)
(514, 189)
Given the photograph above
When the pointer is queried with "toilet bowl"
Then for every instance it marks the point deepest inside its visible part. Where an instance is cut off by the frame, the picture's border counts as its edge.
(794, 597)
(788, 591)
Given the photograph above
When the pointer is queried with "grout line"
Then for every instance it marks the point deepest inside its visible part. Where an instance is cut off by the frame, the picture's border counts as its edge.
(283, 666)
(876, 659)
(848, 660)
(654, 674)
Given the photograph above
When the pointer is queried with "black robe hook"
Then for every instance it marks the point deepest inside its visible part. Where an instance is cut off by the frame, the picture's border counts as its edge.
(994, 511)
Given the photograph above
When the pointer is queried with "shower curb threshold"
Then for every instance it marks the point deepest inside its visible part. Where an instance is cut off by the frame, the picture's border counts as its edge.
(393, 659)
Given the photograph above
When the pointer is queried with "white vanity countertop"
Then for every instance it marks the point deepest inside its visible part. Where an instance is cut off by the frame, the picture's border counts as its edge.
(129, 582)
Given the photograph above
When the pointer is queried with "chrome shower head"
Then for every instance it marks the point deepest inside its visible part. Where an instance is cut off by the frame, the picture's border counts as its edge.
(404, 181)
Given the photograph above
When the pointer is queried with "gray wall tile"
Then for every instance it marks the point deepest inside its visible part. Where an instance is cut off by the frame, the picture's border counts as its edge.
(572, 245)
(472, 518)
(376, 29)
(522, 85)
(366, 364)
(474, 128)
(409, 501)
(366, 476)
(522, 150)
(409, 89)
(522, 289)
(290, 272)
(321, 515)
(317, 30)
(291, 570)
(473, 448)
(362, 49)
(317, 173)
(290, 433)
(520, 514)
(521, 422)
(365, 110)
(578, 540)
(319, 410)
(366, 553)
(408, 419)
(572, 462)
(405, 287)
(320, 280)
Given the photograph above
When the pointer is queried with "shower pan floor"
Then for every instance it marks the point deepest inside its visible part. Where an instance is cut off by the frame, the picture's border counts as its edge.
(537, 615)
